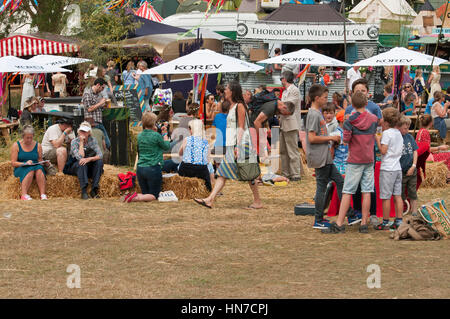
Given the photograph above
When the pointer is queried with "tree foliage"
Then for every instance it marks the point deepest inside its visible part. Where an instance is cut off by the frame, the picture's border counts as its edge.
(47, 16)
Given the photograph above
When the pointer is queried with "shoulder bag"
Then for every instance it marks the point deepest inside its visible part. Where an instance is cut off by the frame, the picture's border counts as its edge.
(247, 170)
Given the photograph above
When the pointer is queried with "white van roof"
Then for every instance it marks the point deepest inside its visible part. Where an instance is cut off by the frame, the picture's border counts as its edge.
(224, 21)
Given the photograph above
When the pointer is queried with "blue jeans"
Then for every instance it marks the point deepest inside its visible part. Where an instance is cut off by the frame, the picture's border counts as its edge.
(92, 170)
(107, 140)
(150, 179)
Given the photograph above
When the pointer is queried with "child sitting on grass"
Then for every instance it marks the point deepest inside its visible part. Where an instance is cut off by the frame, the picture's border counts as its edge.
(408, 162)
(390, 145)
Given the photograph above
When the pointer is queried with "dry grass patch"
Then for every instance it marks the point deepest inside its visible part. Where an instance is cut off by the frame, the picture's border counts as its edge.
(182, 250)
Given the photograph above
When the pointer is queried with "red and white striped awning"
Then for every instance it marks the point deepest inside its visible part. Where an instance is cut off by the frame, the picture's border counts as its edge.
(148, 12)
(21, 45)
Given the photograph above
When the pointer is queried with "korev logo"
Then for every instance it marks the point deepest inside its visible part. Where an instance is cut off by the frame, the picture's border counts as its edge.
(372, 32)
(393, 60)
(242, 29)
(207, 67)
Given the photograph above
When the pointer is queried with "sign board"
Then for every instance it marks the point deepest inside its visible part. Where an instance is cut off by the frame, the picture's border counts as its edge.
(130, 96)
(232, 49)
(378, 89)
(438, 31)
(306, 32)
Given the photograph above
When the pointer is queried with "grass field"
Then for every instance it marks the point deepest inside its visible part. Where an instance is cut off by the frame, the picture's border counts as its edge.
(182, 250)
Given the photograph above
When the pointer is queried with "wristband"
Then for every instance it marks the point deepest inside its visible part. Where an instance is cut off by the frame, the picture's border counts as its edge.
(413, 165)
(65, 133)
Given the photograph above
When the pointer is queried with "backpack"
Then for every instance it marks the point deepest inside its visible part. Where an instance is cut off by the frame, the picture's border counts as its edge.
(418, 87)
(127, 181)
(415, 228)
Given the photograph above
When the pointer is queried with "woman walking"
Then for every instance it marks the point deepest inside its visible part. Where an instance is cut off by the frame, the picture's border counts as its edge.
(237, 136)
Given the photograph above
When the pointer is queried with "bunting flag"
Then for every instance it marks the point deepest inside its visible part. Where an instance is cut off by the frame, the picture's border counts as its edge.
(147, 11)
(12, 5)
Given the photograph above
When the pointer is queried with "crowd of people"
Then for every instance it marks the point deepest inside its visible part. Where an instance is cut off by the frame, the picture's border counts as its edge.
(342, 139)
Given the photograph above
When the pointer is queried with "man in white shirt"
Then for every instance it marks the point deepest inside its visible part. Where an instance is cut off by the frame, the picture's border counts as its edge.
(290, 155)
(54, 143)
(352, 75)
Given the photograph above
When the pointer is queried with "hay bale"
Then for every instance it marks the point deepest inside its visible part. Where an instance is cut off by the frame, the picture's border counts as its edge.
(436, 175)
(67, 186)
(6, 170)
(185, 187)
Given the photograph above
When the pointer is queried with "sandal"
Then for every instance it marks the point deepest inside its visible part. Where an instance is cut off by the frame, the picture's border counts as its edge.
(202, 202)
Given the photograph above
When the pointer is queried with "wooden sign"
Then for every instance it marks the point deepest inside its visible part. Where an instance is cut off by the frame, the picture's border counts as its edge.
(131, 97)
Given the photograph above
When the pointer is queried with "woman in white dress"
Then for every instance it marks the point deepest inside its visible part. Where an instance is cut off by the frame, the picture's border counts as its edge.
(434, 79)
(27, 89)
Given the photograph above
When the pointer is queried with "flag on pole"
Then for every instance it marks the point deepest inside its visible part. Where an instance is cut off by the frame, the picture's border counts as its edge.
(148, 12)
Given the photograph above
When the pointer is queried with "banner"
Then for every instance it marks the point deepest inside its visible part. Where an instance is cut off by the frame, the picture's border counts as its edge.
(306, 32)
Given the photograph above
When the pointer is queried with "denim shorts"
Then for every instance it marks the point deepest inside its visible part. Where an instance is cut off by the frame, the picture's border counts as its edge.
(390, 184)
(356, 174)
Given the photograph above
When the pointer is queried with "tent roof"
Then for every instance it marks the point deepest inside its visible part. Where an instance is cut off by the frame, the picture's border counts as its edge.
(151, 27)
(26, 45)
(426, 6)
(399, 7)
(305, 13)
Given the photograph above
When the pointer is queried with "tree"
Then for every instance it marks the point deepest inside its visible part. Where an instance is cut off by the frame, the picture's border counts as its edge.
(47, 16)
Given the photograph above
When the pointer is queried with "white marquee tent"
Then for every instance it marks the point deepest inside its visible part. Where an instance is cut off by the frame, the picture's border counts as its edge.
(375, 10)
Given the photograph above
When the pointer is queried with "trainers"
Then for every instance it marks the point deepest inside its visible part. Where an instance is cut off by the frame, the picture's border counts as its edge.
(26, 197)
(364, 229)
(395, 225)
(381, 226)
(374, 220)
(334, 229)
(355, 219)
(84, 195)
(44, 197)
(322, 224)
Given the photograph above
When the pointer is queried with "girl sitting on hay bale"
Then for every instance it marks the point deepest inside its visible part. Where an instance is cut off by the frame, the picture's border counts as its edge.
(151, 146)
(195, 153)
(24, 156)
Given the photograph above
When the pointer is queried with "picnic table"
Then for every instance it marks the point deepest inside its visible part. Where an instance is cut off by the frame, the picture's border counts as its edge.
(6, 129)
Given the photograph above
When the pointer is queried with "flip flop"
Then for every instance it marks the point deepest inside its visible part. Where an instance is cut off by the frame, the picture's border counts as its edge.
(202, 202)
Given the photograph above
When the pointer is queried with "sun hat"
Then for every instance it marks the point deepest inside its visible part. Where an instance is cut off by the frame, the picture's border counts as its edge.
(85, 127)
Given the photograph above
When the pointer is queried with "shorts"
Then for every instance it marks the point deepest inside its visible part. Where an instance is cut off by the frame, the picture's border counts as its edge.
(50, 155)
(390, 184)
(356, 174)
(409, 186)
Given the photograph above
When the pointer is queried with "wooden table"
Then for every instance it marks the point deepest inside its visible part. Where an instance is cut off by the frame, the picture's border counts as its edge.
(6, 128)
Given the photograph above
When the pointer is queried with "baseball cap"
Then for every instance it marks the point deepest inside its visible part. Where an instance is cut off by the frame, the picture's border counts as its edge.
(85, 127)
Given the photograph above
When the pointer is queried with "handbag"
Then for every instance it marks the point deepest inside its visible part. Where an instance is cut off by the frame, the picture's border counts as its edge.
(437, 216)
(247, 170)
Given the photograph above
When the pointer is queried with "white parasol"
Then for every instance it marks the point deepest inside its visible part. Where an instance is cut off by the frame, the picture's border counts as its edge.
(12, 64)
(204, 61)
(305, 56)
(400, 56)
(57, 60)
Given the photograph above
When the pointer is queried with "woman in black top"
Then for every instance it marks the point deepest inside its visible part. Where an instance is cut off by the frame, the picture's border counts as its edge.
(178, 103)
